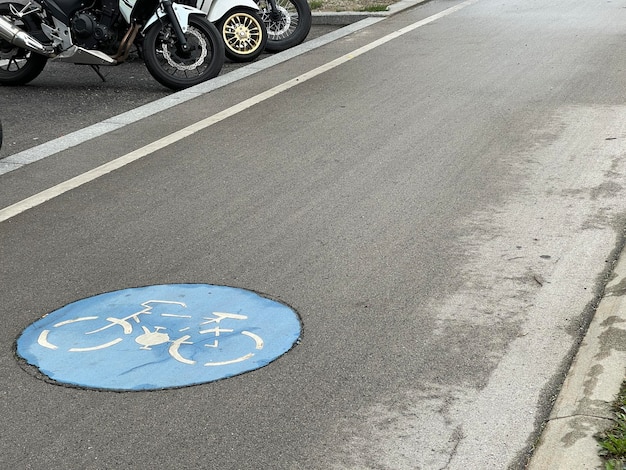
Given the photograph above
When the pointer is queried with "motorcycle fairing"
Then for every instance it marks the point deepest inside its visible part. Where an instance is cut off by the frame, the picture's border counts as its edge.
(216, 10)
(182, 13)
(142, 9)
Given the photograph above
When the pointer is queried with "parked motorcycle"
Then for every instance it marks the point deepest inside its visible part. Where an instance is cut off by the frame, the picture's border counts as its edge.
(288, 22)
(180, 47)
(240, 25)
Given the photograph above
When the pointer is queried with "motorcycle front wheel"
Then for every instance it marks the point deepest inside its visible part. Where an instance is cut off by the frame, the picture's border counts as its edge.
(244, 34)
(287, 27)
(19, 66)
(177, 69)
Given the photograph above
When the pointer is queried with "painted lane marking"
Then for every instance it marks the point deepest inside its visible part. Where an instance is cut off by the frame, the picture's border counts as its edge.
(73, 183)
(34, 154)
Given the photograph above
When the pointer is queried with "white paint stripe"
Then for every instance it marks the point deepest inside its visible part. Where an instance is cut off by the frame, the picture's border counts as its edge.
(233, 361)
(96, 348)
(124, 160)
(43, 340)
(74, 320)
(257, 339)
(173, 350)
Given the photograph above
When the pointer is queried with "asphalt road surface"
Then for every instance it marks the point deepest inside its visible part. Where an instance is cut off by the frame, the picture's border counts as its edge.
(438, 195)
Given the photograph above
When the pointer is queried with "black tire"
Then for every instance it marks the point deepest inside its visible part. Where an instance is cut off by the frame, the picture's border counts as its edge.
(19, 66)
(289, 26)
(177, 70)
(244, 34)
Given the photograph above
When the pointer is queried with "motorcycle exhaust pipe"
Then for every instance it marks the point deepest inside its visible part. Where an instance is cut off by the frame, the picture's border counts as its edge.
(22, 39)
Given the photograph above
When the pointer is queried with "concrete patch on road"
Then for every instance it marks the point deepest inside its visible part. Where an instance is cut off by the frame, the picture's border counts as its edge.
(407, 430)
(533, 265)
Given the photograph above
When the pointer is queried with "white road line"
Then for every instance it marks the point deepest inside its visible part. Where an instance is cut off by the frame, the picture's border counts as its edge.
(46, 195)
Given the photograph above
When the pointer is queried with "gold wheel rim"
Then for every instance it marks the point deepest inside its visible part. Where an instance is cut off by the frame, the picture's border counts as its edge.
(242, 33)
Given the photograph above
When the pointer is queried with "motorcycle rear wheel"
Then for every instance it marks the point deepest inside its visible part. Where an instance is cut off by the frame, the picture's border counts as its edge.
(244, 34)
(19, 66)
(287, 27)
(176, 69)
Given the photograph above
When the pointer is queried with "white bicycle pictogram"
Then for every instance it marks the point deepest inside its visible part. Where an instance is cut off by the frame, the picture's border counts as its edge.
(159, 335)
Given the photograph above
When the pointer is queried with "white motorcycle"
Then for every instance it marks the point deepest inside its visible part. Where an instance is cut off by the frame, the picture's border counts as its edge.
(239, 23)
(180, 47)
(248, 27)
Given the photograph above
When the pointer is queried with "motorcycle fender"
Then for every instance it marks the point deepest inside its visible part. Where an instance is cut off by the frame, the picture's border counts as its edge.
(182, 12)
(217, 9)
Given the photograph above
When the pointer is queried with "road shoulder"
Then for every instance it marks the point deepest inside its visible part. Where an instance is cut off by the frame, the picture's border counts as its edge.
(583, 406)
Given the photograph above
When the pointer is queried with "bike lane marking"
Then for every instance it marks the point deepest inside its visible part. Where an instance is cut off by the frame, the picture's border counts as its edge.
(159, 337)
(73, 183)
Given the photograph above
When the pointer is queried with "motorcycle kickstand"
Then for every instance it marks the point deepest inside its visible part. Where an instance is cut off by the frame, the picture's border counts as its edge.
(96, 68)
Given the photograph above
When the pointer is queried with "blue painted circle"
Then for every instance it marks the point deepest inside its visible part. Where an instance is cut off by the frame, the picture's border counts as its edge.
(158, 337)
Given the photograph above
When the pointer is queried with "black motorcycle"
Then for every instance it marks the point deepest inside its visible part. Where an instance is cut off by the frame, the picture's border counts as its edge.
(180, 47)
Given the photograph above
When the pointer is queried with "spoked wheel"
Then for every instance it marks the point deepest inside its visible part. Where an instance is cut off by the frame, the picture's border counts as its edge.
(244, 34)
(288, 26)
(177, 69)
(19, 66)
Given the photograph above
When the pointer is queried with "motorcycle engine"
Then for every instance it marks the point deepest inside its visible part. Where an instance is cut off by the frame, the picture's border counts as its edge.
(95, 29)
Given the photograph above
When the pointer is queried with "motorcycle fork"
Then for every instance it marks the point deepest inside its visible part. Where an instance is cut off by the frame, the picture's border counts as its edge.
(275, 15)
(182, 40)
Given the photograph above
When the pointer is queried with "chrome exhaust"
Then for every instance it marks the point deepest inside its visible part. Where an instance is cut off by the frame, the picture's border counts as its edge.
(22, 39)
